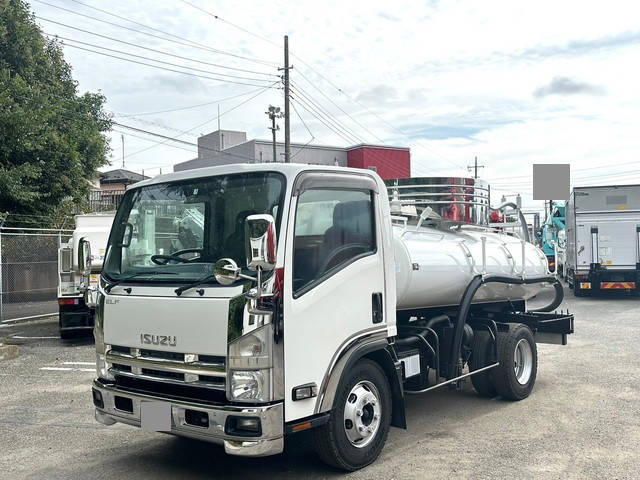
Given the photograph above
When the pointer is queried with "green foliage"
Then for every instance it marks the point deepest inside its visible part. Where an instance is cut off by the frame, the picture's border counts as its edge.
(51, 138)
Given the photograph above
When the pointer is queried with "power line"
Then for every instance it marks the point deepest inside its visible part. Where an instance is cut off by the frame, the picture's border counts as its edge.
(162, 68)
(209, 120)
(191, 43)
(217, 17)
(191, 150)
(162, 52)
(307, 96)
(159, 61)
(178, 109)
(322, 119)
(184, 142)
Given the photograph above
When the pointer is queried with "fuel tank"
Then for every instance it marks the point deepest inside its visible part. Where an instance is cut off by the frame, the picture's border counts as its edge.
(434, 265)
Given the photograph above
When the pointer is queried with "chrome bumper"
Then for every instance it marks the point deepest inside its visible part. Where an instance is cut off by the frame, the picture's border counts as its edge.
(270, 442)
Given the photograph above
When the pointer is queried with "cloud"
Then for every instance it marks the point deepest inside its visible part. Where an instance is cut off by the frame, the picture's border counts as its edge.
(568, 86)
(377, 94)
(387, 16)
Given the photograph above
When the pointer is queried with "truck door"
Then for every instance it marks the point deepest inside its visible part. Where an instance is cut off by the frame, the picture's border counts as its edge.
(335, 273)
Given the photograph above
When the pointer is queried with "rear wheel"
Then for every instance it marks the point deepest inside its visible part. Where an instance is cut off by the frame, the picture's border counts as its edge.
(359, 423)
(481, 356)
(515, 376)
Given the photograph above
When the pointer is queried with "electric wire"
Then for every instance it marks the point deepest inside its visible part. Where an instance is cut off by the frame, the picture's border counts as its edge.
(318, 116)
(305, 126)
(185, 132)
(190, 43)
(161, 68)
(190, 107)
(156, 60)
(217, 17)
(162, 52)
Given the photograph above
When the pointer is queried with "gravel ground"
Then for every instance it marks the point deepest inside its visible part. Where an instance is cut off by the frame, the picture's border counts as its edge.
(581, 421)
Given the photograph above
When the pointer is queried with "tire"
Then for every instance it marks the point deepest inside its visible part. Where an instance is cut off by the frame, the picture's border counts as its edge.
(481, 356)
(365, 382)
(514, 378)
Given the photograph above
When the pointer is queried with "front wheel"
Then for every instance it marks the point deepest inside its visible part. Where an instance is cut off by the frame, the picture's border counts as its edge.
(359, 424)
(515, 376)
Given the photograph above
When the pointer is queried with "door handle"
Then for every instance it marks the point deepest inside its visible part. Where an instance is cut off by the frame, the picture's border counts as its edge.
(376, 308)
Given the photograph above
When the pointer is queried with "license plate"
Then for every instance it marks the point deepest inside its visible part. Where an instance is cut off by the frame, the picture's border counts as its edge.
(155, 416)
(93, 279)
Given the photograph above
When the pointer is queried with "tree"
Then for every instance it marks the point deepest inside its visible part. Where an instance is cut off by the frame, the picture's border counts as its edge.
(52, 140)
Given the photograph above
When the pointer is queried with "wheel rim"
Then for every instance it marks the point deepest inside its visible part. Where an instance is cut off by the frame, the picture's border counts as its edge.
(523, 361)
(362, 414)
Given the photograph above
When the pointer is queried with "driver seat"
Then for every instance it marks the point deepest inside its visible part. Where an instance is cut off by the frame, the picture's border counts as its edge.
(351, 224)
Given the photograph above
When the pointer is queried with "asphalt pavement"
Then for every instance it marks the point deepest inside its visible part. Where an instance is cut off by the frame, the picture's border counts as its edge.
(581, 421)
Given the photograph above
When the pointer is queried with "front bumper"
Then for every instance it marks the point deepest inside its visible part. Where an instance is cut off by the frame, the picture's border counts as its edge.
(270, 442)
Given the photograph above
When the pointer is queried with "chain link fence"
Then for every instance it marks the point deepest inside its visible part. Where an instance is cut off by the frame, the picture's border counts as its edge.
(29, 271)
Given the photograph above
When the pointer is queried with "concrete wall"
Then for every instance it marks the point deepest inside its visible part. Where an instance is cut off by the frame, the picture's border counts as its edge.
(208, 145)
(311, 154)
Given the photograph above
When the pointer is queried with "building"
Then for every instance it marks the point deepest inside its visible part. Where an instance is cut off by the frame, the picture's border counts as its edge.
(119, 179)
(223, 147)
(111, 186)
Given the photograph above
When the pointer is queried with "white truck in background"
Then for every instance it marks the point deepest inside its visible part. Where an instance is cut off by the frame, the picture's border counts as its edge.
(603, 239)
(74, 315)
(340, 308)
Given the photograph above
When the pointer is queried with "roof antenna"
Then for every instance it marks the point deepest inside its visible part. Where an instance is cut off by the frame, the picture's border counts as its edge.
(122, 137)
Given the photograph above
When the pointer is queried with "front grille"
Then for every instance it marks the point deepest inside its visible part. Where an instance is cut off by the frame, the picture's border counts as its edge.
(160, 354)
(181, 375)
(161, 374)
(175, 391)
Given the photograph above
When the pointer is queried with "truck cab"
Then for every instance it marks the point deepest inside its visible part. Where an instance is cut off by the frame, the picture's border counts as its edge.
(272, 309)
(75, 316)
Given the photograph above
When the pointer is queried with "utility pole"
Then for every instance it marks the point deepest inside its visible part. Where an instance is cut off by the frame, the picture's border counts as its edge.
(122, 137)
(287, 133)
(475, 167)
(273, 113)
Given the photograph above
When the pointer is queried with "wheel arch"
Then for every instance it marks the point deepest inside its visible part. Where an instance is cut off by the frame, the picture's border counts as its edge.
(377, 349)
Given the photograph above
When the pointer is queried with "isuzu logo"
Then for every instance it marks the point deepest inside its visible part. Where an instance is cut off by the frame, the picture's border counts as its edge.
(148, 339)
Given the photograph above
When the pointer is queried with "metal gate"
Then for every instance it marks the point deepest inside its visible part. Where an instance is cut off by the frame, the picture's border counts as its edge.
(29, 271)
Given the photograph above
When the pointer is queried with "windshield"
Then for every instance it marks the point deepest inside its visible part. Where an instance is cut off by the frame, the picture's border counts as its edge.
(182, 228)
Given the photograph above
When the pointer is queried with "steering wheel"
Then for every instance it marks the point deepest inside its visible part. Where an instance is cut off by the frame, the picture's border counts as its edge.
(175, 256)
(334, 255)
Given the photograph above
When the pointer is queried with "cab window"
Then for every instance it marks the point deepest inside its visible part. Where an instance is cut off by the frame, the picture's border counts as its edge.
(332, 229)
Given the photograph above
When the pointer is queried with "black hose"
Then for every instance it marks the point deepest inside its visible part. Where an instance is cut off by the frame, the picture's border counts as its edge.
(557, 300)
(467, 298)
(439, 319)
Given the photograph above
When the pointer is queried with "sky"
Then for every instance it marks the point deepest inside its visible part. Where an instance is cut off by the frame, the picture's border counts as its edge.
(511, 83)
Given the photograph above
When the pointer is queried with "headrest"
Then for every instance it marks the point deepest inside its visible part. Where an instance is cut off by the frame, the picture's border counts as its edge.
(354, 216)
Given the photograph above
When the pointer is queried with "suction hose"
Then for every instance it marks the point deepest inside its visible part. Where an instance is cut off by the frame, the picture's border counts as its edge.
(470, 291)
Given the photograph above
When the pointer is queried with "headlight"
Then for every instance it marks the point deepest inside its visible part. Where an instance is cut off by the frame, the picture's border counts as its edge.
(250, 366)
(252, 385)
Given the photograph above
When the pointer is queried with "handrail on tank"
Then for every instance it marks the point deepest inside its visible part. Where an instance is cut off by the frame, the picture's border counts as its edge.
(426, 185)
(523, 221)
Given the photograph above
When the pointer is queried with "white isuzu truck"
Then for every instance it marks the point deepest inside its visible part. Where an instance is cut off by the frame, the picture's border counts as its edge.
(293, 299)
(75, 316)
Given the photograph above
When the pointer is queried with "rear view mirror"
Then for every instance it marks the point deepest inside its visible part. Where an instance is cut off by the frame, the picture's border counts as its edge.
(126, 236)
(84, 256)
(260, 242)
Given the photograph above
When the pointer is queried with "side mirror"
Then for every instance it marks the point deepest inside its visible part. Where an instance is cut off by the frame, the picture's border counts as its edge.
(260, 242)
(84, 256)
(226, 271)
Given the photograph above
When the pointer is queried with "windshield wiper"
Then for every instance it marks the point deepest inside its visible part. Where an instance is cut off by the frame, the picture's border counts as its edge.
(134, 275)
(183, 288)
